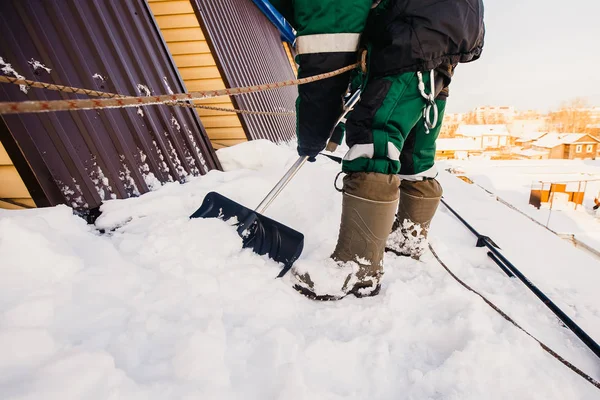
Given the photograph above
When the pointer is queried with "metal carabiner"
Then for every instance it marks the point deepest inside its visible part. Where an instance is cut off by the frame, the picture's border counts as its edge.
(430, 98)
(429, 125)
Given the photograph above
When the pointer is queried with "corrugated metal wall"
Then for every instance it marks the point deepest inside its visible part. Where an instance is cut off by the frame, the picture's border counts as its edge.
(82, 158)
(191, 53)
(249, 51)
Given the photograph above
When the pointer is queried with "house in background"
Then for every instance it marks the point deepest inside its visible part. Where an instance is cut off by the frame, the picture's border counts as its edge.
(494, 114)
(450, 124)
(526, 140)
(488, 137)
(568, 146)
(558, 195)
(457, 148)
(593, 129)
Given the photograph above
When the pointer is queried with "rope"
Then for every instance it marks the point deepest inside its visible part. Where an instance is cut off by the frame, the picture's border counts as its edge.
(235, 110)
(60, 88)
(97, 93)
(123, 102)
(512, 321)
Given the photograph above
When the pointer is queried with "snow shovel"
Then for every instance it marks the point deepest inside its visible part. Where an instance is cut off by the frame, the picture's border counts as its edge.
(264, 235)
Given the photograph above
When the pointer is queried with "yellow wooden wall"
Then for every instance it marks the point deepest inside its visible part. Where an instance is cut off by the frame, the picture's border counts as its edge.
(11, 184)
(288, 51)
(187, 44)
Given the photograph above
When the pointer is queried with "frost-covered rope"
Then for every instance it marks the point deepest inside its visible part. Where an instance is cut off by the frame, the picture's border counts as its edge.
(238, 111)
(59, 88)
(97, 93)
(512, 321)
(123, 102)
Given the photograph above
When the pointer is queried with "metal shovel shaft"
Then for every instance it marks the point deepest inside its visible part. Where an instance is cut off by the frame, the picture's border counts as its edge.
(281, 185)
(262, 207)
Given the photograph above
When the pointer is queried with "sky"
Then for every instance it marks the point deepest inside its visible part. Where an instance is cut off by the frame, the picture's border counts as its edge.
(537, 55)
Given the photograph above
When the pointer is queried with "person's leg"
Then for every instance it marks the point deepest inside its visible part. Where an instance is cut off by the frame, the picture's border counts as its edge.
(389, 109)
(420, 192)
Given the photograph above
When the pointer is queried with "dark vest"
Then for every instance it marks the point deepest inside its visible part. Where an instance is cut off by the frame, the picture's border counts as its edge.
(421, 35)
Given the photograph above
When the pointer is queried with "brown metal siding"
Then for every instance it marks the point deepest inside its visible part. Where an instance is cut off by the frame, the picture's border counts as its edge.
(249, 51)
(82, 158)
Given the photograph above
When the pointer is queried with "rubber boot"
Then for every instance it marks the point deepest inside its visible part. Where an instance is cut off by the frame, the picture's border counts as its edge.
(370, 201)
(418, 204)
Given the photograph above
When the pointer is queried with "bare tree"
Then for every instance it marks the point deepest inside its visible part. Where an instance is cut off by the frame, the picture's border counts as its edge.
(573, 116)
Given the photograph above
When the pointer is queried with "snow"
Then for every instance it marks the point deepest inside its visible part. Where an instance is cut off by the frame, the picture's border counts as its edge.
(512, 181)
(482, 130)
(530, 152)
(255, 155)
(197, 151)
(7, 69)
(409, 239)
(163, 307)
(149, 178)
(530, 137)
(169, 90)
(127, 179)
(457, 144)
(101, 182)
(37, 65)
(145, 91)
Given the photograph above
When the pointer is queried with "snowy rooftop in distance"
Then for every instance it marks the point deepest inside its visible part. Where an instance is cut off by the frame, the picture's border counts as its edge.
(530, 136)
(163, 307)
(529, 152)
(552, 140)
(482, 130)
(457, 144)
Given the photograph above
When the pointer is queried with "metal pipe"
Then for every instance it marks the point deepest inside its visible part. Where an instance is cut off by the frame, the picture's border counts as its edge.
(580, 333)
(262, 207)
(465, 223)
(500, 264)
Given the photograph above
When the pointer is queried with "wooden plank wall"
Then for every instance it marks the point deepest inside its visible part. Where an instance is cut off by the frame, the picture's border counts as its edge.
(12, 187)
(187, 44)
(288, 51)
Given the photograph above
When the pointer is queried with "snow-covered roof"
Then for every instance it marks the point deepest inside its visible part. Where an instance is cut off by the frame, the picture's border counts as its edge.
(530, 136)
(552, 140)
(173, 305)
(530, 152)
(482, 130)
(457, 144)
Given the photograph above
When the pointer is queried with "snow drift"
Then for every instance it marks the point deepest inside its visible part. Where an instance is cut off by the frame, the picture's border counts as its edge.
(149, 304)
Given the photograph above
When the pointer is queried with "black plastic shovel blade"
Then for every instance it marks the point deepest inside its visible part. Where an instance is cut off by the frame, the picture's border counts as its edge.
(262, 234)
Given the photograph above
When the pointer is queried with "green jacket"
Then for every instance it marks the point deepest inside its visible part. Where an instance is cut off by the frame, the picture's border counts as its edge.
(401, 35)
(328, 36)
